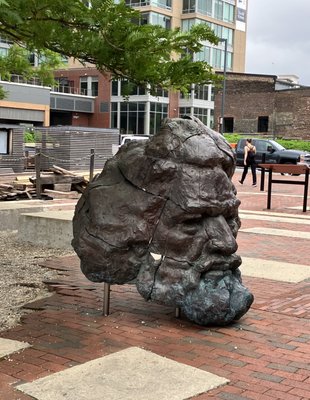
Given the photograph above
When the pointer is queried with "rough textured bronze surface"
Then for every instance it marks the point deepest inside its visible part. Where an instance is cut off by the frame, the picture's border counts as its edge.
(164, 212)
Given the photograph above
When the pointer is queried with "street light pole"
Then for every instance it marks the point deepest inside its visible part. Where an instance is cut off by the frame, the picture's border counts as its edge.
(224, 85)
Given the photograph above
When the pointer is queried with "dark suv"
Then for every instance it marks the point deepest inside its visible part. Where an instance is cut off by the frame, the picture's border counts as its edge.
(274, 152)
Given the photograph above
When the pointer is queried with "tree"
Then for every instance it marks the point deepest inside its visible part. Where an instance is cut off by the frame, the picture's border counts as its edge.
(109, 36)
(17, 62)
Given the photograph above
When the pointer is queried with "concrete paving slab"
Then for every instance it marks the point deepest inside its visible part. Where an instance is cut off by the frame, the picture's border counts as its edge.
(8, 346)
(271, 218)
(277, 232)
(275, 270)
(277, 214)
(299, 208)
(273, 194)
(130, 374)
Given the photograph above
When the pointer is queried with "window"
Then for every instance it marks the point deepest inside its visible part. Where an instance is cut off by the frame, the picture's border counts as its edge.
(262, 124)
(155, 19)
(202, 114)
(160, 92)
(158, 112)
(5, 142)
(262, 145)
(94, 86)
(218, 9)
(201, 92)
(189, 6)
(188, 23)
(137, 3)
(212, 119)
(5, 40)
(131, 117)
(83, 86)
(228, 125)
(205, 7)
(114, 87)
(114, 115)
(223, 32)
(89, 85)
(161, 3)
(185, 111)
(228, 12)
(3, 52)
(63, 85)
(131, 89)
(219, 57)
(143, 3)
(204, 54)
(224, 11)
(216, 61)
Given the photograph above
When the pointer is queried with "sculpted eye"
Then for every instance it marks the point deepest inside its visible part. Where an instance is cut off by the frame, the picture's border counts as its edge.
(192, 220)
(191, 224)
(234, 223)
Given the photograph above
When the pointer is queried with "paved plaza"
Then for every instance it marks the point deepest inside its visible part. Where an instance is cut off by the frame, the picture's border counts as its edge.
(142, 351)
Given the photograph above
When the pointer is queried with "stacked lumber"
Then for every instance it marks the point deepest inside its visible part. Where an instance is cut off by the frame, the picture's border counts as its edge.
(58, 182)
(15, 192)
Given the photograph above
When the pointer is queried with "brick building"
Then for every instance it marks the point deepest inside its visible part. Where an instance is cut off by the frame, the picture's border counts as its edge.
(259, 104)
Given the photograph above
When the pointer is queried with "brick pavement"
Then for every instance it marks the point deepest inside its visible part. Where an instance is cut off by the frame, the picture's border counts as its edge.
(265, 355)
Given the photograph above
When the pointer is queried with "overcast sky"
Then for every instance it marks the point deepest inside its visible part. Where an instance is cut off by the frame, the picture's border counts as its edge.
(278, 38)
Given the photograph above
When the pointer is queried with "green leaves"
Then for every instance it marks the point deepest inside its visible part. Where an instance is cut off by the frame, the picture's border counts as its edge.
(108, 36)
(17, 63)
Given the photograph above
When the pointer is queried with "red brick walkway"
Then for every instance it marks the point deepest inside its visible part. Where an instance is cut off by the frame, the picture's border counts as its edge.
(265, 355)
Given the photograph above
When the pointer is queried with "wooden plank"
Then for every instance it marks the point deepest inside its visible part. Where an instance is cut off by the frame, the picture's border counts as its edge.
(286, 168)
(52, 179)
(56, 194)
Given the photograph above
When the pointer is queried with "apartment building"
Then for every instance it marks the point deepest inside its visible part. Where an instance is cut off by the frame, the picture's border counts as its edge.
(84, 97)
(142, 113)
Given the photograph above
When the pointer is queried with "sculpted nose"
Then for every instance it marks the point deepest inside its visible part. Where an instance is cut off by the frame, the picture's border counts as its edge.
(220, 237)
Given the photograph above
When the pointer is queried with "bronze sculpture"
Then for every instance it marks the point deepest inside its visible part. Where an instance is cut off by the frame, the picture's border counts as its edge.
(164, 212)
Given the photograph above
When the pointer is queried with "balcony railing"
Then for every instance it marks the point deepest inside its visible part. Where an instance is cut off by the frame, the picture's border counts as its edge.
(20, 79)
(69, 90)
(37, 82)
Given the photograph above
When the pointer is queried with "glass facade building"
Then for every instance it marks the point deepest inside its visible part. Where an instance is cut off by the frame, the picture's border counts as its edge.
(222, 17)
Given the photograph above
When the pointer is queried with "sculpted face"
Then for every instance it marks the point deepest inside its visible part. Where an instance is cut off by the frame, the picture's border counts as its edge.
(165, 212)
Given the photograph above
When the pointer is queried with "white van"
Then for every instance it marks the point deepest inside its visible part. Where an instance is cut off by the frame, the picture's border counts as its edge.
(126, 139)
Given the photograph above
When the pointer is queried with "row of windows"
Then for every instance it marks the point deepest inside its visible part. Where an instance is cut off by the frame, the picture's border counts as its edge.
(200, 92)
(217, 9)
(219, 30)
(89, 86)
(155, 19)
(215, 57)
(122, 88)
(6, 41)
(143, 3)
(201, 113)
(132, 117)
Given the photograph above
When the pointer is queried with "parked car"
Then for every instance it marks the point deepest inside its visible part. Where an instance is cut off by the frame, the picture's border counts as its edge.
(274, 153)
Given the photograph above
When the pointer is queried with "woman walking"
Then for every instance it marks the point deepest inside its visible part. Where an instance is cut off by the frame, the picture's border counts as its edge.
(249, 161)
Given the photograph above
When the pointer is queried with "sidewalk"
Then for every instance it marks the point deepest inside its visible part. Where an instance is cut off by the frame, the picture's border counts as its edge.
(265, 355)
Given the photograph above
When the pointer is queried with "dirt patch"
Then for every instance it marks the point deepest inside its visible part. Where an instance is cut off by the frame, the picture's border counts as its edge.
(21, 276)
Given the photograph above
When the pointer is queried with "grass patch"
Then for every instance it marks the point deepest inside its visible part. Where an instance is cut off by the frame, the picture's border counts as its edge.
(287, 143)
